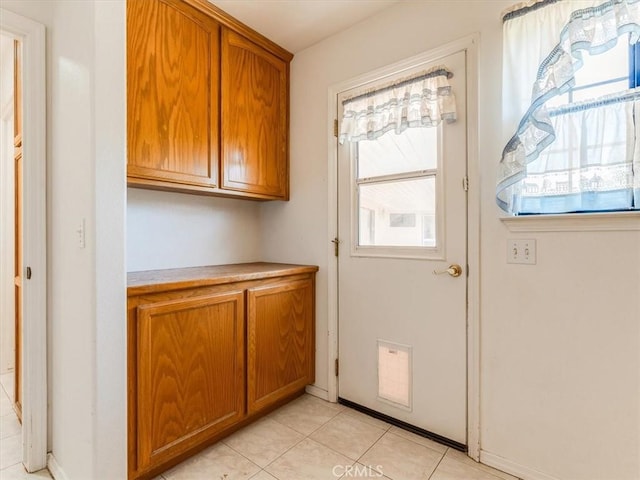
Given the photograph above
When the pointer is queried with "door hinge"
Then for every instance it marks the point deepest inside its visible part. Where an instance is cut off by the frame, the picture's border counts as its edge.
(335, 127)
(336, 246)
(465, 183)
(337, 364)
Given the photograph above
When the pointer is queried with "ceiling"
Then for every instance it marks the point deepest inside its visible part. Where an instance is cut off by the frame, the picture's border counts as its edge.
(298, 24)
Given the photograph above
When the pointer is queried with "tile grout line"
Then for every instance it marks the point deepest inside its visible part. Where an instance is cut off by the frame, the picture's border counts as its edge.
(285, 452)
(439, 462)
(305, 437)
(314, 431)
(418, 443)
(384, 432)
(4, 388)
(368, 449)
(260, 467)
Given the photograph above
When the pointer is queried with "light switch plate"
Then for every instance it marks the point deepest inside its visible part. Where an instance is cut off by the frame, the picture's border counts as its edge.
(521, 251)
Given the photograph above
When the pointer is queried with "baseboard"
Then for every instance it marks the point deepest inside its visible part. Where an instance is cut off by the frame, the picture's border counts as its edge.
(54, 468)
(512, 468)
(317, 392)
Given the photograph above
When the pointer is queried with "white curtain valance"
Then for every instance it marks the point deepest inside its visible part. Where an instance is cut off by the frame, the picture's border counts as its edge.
(542, 51)
(420, 101)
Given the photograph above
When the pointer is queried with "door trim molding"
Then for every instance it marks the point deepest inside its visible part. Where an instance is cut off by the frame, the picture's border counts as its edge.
(34, 297)
(470, 44)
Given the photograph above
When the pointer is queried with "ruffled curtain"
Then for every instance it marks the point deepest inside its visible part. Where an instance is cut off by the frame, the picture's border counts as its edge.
(586, 167)
(542, 50)
(421, 101)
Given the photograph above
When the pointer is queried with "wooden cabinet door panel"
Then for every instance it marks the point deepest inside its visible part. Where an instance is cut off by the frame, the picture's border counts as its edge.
(190, 373)
(254, 119)
(172, 92)
(280, 341)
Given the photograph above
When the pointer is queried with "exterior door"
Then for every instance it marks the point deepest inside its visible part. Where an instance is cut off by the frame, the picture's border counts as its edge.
(402, 223)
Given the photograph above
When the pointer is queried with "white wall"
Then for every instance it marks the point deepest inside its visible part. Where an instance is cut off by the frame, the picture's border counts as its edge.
(170, 230)
(7, 250)
(71, 199)
(85, 180)
(110, 388)
(560, 370)
(71, 186)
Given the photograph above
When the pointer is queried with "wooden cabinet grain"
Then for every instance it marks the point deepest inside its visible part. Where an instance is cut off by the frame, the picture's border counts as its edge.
(172, 70)
(190, 376)
(183, 56)
(211, 349)
(254, 118)
(280, 338)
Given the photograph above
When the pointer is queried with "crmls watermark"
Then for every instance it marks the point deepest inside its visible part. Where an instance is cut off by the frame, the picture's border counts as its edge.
(357, 471)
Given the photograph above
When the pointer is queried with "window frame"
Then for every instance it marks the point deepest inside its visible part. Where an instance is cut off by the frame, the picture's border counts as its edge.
(436, 252)
(634, 65)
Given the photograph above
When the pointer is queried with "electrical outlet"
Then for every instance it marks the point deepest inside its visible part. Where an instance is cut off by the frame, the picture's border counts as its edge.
(521, 251)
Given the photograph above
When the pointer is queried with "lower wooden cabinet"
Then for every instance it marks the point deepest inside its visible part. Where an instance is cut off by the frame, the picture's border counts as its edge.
(209, 350)
(191, 372)
(280, 341)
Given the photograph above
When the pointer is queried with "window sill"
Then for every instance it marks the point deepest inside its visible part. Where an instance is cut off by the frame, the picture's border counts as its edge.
(575, 222)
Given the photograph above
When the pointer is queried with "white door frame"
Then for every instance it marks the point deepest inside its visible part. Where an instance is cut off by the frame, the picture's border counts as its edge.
(34, 186)
(470, 44)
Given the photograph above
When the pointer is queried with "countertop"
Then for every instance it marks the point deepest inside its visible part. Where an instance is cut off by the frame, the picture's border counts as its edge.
(178, 278)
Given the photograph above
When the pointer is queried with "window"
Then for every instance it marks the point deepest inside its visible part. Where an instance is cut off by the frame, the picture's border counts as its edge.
(395, 178)
(575, 147)
(601, 74)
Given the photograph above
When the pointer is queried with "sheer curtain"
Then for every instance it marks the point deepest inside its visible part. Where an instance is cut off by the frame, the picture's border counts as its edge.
(424, 100)
(577, 158)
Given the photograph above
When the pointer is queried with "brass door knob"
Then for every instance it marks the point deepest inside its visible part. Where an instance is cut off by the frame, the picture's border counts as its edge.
(454, 270)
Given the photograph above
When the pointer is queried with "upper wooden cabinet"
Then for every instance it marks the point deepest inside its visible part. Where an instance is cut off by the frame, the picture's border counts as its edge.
(172, 71)
(207, 102)
(254, 118)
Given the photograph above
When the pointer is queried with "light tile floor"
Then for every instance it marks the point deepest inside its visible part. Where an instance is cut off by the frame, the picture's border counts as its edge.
(308, 439)
(11, 437)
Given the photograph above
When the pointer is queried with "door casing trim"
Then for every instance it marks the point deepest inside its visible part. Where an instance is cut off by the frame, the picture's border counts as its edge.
(34, 250)
(470, 45)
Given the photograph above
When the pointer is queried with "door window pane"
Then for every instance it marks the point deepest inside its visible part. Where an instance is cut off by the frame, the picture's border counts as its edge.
(398, 213)
(413, 150)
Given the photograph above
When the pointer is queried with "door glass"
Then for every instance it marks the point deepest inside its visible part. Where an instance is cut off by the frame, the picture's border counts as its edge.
(397, 189)
(413, 150)
(398, 213)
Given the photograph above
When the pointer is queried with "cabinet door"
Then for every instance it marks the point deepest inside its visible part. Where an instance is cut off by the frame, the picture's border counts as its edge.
(172, 93)
(281, 349)
(190, 373)
(254, 119)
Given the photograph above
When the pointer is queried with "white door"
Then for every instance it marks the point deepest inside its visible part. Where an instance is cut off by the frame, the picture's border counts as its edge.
(402, 217)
